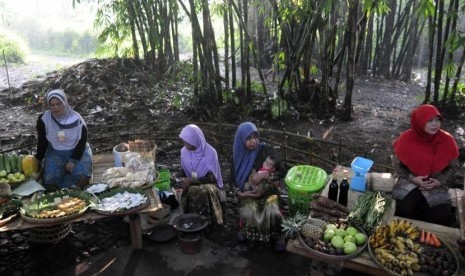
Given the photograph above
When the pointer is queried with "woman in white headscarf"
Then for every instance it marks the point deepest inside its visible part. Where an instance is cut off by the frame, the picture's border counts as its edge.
(62, 144)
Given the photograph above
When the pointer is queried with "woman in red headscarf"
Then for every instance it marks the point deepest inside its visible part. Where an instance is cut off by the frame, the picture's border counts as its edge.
(425, 161)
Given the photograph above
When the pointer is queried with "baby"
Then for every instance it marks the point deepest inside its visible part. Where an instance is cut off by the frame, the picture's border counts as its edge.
(269, 165)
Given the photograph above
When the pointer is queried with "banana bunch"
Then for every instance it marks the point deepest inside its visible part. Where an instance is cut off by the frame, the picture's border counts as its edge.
(395, 247)
(403, 227)
(403, 264)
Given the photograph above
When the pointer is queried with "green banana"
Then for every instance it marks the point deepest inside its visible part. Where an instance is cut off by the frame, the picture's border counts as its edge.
(6, 159)
(2, 163)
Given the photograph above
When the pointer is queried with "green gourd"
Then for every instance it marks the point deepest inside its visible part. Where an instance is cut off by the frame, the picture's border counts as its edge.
(2, 163)
(6, 160)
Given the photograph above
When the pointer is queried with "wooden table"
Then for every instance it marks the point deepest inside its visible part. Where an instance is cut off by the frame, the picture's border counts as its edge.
(101, 163)
(364, 262)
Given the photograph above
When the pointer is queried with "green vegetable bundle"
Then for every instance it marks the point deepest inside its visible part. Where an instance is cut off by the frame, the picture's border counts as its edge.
(368, 211)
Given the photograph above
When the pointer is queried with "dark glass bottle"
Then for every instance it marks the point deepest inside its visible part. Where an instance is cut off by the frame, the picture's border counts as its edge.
(344, 190)
(333, 187)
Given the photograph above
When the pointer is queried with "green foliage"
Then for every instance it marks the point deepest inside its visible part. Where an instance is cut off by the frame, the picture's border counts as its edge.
(455, 41)
(257, 87)
(65, 41)
(450, 69)
(13, 47)
(115, 36)
(460, 97)
(381, 8)
(278, 108)
(426, 8)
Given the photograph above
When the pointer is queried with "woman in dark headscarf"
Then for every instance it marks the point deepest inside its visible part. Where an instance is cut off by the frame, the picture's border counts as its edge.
(260, 213)
(426, 160)
(200, 176)
(62, 142)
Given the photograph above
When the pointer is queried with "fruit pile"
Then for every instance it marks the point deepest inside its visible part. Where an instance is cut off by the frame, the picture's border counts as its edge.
(337, 240)
(397, 247)
(329, 238)
(15, 168)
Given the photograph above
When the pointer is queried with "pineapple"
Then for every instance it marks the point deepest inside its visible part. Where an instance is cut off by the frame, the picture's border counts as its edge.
(292, 226)
(311, 231)
(318, 222)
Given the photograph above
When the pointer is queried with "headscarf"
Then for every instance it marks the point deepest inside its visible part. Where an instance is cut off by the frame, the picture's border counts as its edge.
(244, 158)
(422, 153)
(203, 159)
(70, 122)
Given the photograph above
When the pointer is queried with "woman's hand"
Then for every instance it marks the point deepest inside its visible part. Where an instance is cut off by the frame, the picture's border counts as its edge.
(425, 183)
(245, 194)
(430, 184)
(69, 166)
(184, 182)
(258, 177)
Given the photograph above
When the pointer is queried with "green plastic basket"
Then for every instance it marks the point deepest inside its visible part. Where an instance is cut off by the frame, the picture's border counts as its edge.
(163, 182)
(302, 182)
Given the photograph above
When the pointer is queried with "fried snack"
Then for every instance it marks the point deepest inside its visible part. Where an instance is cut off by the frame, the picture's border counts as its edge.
(71, 205)
(55, 213)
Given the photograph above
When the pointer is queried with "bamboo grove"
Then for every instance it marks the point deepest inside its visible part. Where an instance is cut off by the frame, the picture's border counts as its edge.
(314, 51)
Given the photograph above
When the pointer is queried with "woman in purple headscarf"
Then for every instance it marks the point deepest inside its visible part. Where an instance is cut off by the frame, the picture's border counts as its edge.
(62, 144)
(200, 177)
(260, 213)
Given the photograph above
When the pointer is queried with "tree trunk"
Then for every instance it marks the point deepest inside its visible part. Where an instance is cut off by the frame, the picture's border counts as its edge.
(351, 47)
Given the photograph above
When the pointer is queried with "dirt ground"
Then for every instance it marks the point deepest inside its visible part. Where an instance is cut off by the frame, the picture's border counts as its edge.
(380, 107)
(380, 110)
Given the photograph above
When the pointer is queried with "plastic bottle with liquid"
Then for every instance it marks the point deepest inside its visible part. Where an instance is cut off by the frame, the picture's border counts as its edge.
(333, 187)
(344, 189)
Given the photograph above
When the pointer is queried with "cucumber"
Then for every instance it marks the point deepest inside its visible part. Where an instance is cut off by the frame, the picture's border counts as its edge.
(2, 163)
(6, 159)
(13, 162)
(19, 163)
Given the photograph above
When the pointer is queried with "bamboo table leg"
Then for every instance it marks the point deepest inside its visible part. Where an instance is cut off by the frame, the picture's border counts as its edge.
(136, 231)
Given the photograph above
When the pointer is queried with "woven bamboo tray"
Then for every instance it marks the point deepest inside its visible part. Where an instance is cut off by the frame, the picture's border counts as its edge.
(123, 211)
(330, 257)
(54, 220)
(444, 245)
(9, 219)
(375, 259)
(45, 202)
(12, 206)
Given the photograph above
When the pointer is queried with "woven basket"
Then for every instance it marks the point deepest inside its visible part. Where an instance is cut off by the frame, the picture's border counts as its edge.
(124, 212)
(375, 259)
(330, 257)
(146, 149)
(9, 219)
(49, 234)
(62, 219)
